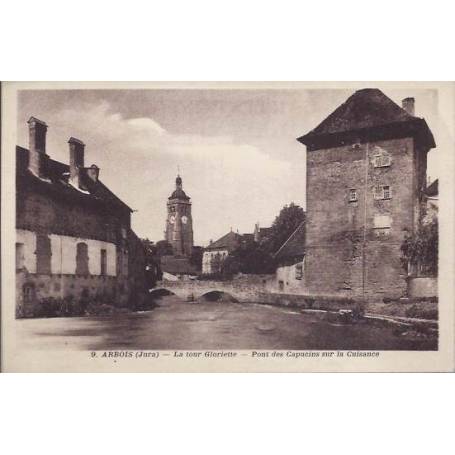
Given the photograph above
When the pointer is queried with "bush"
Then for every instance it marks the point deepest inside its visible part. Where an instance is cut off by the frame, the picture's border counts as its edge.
(48, 308)
(145, 302)
(421, 249)
(421, 313)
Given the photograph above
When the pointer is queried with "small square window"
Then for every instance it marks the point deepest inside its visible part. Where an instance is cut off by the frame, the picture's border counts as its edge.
(386, 194)
(383, 192)
(352, 195)
(382, 159)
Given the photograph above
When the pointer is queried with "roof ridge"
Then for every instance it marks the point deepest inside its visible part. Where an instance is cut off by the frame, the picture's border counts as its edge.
(364, 113)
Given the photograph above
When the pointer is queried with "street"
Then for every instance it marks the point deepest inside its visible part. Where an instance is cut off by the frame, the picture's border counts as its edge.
(175, 325)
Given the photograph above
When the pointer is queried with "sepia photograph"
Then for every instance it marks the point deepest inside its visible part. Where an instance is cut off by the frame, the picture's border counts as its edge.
(227, 227)
(221, 221)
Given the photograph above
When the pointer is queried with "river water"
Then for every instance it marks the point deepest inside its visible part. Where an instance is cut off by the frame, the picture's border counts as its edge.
(175, 325)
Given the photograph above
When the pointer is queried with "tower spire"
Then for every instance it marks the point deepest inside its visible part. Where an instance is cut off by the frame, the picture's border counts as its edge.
(178, 180)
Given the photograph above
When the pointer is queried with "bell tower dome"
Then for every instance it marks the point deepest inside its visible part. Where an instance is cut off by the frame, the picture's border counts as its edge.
(179, 222)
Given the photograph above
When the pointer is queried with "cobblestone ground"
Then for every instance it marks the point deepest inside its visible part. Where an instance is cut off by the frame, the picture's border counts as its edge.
(212, 325)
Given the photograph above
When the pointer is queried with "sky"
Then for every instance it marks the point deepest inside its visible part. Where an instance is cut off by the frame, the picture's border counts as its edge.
(236, 149)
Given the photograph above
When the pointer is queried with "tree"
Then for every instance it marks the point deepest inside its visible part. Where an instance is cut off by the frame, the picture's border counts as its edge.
(152, 263)
(420, 250)
(149, 247)
(251, 258)
(288, 220)
(196, 257)
(230, 267)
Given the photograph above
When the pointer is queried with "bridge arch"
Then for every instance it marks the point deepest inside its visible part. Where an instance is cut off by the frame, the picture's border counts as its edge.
(158, 292)
(216, 295)
(162, 292)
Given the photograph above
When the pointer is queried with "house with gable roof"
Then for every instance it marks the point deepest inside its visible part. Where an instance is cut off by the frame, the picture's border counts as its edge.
(73, 234)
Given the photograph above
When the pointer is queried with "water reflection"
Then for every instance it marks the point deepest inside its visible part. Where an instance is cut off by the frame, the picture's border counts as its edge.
(174, 324)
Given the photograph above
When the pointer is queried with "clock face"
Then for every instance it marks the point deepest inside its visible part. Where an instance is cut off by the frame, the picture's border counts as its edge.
(172, 219)
(184, 219)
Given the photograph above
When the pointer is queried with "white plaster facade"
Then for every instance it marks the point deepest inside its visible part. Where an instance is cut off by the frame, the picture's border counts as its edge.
(289, 278)
(64, 250)
(210, 256)
(27, 254)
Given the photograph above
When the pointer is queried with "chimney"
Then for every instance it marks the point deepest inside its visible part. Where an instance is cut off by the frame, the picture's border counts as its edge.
(76, 160)
(408, 105)
(93, 172)
(256, 232)
(37, 147)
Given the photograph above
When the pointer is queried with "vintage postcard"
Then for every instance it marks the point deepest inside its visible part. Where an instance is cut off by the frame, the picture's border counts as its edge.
(237, 227)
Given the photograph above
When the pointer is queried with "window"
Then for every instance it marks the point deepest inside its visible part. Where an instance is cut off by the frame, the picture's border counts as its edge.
(19, 256)
(103, 259)
(299, 271)
(125, 263)
(381, 157)
(82, 259)
(43, 254)
(382, 160)
(383, 192)
(386, 192)
(29, 293)
(281, 285)
(352, 195)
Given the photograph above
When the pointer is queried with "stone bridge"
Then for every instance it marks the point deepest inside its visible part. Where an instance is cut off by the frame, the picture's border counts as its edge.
(246, 288)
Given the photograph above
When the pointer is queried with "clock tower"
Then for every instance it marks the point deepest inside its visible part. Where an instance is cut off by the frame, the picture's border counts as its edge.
(179, 223)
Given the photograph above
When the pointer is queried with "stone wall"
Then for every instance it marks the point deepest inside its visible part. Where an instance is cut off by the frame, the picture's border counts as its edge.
(286, 280)
(423, 287)
(352, 246)
(245, 288)
(32, 289)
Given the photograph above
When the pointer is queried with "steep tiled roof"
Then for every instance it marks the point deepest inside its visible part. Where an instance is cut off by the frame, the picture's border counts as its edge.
(294, 245)
(57, 173)
(247, 238)
(363, 112)
(230, 241)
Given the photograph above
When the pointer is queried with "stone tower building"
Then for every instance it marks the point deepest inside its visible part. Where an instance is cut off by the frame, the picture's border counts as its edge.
(366, 176)
(179, 223)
